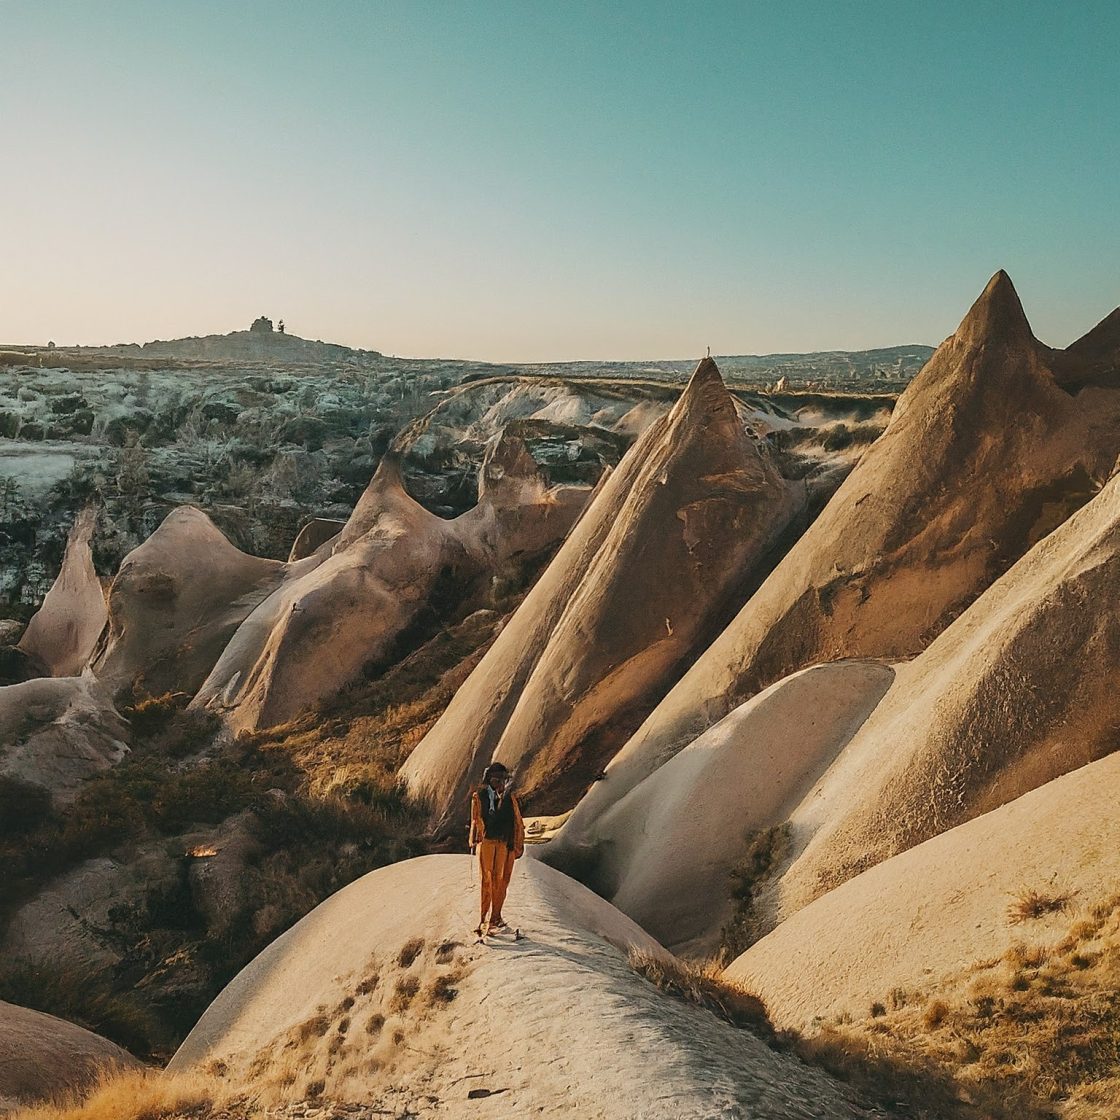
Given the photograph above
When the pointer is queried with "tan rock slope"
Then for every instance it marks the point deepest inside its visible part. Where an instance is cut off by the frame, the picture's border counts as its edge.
(663, 854)
(176, 601)
(380, 994)
(994, 443)
(44, 1058)
(393, 564)
(677, 530)
(57, 732)
(925, 915)
(64, 631)
(1018, 690)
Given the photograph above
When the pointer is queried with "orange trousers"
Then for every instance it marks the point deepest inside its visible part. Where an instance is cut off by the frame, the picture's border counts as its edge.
(495, 865)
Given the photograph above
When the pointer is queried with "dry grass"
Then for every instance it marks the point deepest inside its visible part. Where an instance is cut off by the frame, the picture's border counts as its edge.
(410, 951)
(331, 745)
(1032, 904)
(137, 1095)
(705, 986)
(765, 851)
(1032, 1034)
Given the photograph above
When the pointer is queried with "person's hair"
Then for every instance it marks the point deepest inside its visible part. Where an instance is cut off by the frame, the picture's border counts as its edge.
(494, 770)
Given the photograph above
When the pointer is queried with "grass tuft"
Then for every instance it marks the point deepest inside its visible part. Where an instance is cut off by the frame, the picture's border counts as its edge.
(1032, 904)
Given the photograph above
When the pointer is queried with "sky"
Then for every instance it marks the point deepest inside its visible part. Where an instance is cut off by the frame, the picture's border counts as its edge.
(543, 181)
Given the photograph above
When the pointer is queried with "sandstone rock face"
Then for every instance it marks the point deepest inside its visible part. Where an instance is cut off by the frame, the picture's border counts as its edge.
(42, 1057)
(950, 895)
(392, 564)
(176, 601)
(64, 631)
(992, 445)
(672, 535)
(1017, 691)
(375, 992)
(664, 853)
(57, 732)
(313, 536)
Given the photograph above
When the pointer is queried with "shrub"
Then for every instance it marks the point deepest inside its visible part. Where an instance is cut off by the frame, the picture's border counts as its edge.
(765, 850)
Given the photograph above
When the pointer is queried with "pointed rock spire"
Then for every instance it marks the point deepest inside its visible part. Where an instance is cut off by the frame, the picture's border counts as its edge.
(1103, 341)
(997, 317)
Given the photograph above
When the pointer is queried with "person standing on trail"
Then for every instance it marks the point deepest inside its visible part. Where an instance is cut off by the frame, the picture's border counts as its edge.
(498, 832)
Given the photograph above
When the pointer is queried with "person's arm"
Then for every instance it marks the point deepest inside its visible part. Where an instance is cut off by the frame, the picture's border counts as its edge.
(476, 832)
(518, 830)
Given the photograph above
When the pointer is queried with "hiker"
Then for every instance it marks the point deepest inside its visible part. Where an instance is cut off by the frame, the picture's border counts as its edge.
(499, 834)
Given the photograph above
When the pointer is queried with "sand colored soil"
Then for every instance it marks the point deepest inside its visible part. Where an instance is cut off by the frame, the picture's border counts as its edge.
(56, 732)
(663, 854)
(654, 564)
(380, 994)
(64, 630)
(394, 566)
(1019, 689)
(993, 444)
(42, 1057)
(176, 601)
(923, 916)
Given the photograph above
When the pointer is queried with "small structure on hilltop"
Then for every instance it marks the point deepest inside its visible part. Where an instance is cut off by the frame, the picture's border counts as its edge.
(263, 325)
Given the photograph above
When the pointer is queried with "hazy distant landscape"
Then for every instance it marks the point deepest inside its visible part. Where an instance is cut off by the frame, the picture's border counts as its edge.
(264, 430)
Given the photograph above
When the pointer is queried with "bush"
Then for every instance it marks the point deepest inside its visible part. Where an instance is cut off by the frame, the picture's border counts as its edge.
(24, 806)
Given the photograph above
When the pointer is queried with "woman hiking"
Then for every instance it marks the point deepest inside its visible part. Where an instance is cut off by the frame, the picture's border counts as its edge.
(498, 832)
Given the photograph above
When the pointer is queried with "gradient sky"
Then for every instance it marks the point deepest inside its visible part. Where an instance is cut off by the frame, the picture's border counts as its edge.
(556, 180)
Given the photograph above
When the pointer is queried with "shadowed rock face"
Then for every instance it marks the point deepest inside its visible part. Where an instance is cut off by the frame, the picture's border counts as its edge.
(984, 455)
(671, 537)
(175, 603)
(64, 631)
(393, 565)
(56, 732)
(43, 1058)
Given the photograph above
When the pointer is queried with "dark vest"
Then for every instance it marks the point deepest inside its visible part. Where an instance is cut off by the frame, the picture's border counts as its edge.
(498, 824)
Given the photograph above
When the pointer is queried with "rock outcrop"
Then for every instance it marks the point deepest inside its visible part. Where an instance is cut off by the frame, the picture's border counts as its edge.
(394, 566)
(676, 533)
(375, 992)
(175, 603)
(1017, 691)
(953, 899)
(57, 732)
(665, 852)
(987, 451)
(64, 631)
(43, 1058)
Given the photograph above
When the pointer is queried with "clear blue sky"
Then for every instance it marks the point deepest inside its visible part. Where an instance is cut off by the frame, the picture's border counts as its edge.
(556, 180)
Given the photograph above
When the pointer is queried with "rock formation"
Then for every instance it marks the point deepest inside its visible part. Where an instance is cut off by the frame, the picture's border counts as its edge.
(57, 732)
(990, 447)
(1016, 691)
(674, 535)
(394, 565)
(951, 898)
(313, 536)
(664, 853)
(43, 1058)
(64, 631)
(175, 603)
(375, 992)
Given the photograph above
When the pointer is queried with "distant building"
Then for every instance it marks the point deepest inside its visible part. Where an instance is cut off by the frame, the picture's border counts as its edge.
(263, 325)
